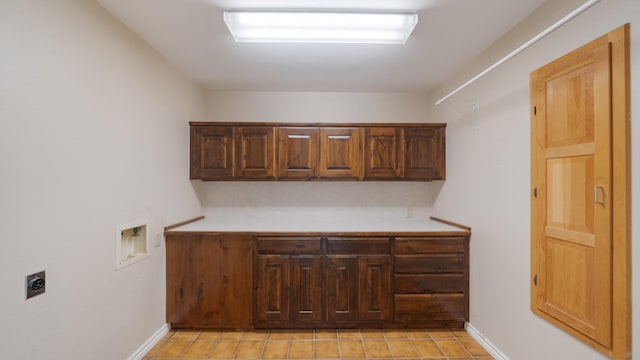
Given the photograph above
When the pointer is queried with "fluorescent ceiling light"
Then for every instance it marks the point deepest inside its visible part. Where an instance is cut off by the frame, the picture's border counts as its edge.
(320, 27)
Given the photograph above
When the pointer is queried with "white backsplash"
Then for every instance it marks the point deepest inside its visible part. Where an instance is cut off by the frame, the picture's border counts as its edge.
(319, 199)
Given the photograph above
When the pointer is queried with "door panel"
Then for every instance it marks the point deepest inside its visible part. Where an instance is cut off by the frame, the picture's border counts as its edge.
(273, 276)
(298, 153)
(342, 288)
(306, 288)
(570, 187)
(383, 153)
(255, 153)
(571, 166)
(374, 276)
(340, 153)
(424, 154)
(211, 152)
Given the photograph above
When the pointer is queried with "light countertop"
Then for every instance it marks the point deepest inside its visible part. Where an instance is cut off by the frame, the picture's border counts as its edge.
(314, 224)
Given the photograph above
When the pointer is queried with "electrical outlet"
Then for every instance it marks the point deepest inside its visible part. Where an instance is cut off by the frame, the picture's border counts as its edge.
(35, 284)
(409, 212)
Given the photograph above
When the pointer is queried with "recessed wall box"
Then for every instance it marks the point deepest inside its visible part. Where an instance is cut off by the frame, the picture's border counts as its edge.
(132, 243)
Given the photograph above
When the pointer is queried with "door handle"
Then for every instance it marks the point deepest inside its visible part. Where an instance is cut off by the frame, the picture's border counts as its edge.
(596, 195)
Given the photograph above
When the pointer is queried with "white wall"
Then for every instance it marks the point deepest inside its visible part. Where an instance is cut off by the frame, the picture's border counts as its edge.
(488, 176)
(362, 198)
(93, 133)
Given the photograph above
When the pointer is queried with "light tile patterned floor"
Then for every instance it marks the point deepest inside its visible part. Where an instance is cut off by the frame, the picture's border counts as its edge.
(319, 344)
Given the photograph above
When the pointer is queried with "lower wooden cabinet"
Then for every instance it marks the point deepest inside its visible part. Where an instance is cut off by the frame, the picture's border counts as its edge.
(244, 281)
(342, 288)
(374, 277)
(431, 281)
(303, 286)
(209, 281)
(273, 282)
(306, 288)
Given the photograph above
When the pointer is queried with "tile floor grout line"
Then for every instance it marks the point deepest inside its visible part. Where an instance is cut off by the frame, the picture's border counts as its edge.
(213, 346)
(364, 348)
(439, 348)
(338, 341)
(464, 347)
(264, 346)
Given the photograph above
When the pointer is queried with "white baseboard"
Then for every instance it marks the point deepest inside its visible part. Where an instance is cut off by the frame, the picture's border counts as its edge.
(150, 343)
(486, 344)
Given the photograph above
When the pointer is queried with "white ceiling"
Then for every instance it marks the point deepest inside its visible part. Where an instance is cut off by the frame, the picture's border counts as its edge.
(192, 35)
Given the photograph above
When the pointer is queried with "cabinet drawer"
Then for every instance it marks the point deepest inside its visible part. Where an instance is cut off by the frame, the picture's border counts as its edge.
(429, 283)
(289, 245)
(421, 264)
(430, 307)
(358, 245)
(429, 245)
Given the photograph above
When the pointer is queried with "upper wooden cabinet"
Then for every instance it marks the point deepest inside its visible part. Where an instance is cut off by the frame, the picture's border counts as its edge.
(282, 151)
(340, 153)
(297, 152)
(383, 153)
(424, 156)
(255, 153)
(211, 152)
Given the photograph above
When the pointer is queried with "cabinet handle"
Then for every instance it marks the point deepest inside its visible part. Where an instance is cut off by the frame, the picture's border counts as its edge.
(596, 195)
(340, 137)
(298, 136)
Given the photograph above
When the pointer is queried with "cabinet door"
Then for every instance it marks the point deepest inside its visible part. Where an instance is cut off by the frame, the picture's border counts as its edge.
(211, 152)
(255, 152)
(424, 157)
(306, 288)
(340, 153)
(383, 153)
(342, 288)
(297, 153)
(272, 295)
(374, 273)
(209, 281)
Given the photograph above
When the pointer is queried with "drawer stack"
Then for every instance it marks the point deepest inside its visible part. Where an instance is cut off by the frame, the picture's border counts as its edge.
(431, 281)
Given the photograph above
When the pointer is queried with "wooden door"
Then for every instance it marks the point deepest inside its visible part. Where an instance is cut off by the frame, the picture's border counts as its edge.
(383, 153)
(374, 277)
(306, 288)
(571, 174)
(297, 153)
(209, 281)
(340, 152)
(255, 153)
(211, 152)
(272, 296)
(424, 155)
(342, 288)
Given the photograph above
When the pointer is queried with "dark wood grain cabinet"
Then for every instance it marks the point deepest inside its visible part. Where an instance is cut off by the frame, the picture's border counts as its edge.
(211, 152)
(340, 153)
(383, 153)
(323, 282)
(424, 150)
(255, 153)
(431, 281)
(298, 152)
(209, 281)
(283, 151)
(273, 274)
(253, 280)
(342, 288)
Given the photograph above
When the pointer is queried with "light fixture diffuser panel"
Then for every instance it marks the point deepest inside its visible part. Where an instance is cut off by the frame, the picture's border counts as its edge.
(320, 27)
